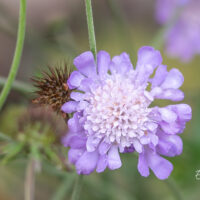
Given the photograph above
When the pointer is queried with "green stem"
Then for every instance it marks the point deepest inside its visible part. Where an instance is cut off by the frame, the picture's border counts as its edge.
(29, 185)
(160, 36)
(90, 23)
(64, 188)
(174, 189)
(18, 85)
(77, 188)
(17, 55)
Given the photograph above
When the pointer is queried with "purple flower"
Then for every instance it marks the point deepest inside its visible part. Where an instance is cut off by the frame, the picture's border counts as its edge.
(182, 40)
(112, 112)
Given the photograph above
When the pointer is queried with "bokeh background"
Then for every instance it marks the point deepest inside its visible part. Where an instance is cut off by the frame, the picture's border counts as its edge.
(57, 32)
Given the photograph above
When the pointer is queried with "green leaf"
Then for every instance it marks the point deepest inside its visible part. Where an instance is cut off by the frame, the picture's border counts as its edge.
(11, 150)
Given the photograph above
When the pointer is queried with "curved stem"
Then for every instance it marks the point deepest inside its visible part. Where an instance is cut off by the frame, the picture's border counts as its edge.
(77, 188)
(17, 55)
(18, 85)
(29, 185)
(90, 24)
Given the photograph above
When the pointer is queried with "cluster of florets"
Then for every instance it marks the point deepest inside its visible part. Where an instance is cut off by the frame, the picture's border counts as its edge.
(113, 113)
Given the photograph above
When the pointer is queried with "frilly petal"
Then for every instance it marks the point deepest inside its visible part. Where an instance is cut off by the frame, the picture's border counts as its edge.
(92, 143)
(114, 161)
(75, 79)
(102, 163)
(167, 115)
(103, 148)
(161, 167)
(87, 163)
(103, 62)
(148, 60)
(174, 80)
(169, 145)
(184, 111)
(74, 155)
(121, 64)
(69, 107)
(77, 96)
(85, 63)
(148, 56)
(143, 165)
(160, 75)
(170, 94)
(73, 123)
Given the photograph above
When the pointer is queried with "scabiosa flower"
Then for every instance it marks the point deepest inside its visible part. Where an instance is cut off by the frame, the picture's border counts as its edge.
(113, 113)
(182, 40)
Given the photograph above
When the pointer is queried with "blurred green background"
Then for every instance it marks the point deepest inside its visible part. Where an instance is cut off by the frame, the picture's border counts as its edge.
(57, 32)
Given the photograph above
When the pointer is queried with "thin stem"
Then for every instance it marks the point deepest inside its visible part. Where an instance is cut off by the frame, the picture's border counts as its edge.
(64, 188)
(175, 190)
(160, 36)
(77, 188)
(18, 53)
(18, 85)
(90, 23)
(29, 185)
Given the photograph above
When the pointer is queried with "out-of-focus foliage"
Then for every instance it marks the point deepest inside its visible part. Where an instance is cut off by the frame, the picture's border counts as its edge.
(60, 35)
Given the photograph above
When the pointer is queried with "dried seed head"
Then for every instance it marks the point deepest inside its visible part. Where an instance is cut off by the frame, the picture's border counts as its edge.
(46, 121)
(52, 89)
(41, 128)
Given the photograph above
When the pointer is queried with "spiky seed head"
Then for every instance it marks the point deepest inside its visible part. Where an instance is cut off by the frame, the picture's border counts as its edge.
(52, 88)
